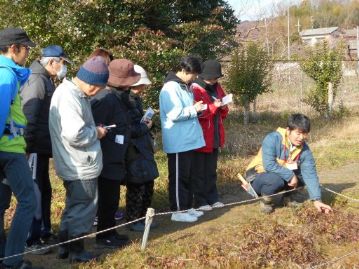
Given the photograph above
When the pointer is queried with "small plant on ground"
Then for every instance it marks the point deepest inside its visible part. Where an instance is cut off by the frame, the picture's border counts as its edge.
(338, 227)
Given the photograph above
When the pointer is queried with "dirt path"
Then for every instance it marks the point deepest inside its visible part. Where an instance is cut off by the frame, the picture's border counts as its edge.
(343, 174)
(342, 180)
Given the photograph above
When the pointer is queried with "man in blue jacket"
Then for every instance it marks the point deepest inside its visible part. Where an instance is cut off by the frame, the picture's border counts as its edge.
(181, 134)
(284, 162)
(14, 49)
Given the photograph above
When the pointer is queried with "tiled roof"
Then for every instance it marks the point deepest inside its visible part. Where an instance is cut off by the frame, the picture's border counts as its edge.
(318, 31)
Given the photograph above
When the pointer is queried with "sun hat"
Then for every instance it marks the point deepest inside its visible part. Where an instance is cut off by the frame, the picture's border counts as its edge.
(144, 78)
(122, 73)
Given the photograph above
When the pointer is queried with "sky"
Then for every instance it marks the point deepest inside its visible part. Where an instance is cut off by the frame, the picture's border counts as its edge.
(257, 9)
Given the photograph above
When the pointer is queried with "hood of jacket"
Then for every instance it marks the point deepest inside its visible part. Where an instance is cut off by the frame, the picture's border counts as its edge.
(21, 73)
(211, 89)
(37, 68)
(171, 76)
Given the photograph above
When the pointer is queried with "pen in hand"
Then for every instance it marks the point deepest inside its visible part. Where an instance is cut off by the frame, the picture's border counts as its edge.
(108, 127)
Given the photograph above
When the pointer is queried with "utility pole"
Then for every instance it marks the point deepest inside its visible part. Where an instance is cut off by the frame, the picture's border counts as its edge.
(288, 34)
(312, 21)
(298, 25)
(267, 41)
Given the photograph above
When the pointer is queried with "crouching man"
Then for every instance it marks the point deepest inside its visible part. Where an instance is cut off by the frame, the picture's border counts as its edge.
(77, 153)
(286, 162)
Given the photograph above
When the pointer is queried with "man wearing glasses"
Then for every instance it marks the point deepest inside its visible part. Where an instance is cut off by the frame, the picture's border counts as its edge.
(14, 49)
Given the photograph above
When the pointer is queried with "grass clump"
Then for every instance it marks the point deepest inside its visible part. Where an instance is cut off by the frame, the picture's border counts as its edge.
(338, 227)
(273, 244)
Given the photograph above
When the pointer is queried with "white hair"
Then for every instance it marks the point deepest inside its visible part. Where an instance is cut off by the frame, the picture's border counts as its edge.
(45, 60)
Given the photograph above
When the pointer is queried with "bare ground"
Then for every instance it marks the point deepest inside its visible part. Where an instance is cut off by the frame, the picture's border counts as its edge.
(342, 180)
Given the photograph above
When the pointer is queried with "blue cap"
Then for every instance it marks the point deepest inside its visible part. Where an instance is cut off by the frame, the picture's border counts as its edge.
(55, 51)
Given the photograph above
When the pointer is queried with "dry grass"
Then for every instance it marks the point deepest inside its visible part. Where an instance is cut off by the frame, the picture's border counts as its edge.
(239, 236)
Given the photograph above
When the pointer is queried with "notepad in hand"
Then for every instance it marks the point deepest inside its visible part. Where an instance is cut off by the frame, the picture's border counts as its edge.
(227, 99)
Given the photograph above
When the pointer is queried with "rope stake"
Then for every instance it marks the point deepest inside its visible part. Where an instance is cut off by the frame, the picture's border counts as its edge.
(149, 217)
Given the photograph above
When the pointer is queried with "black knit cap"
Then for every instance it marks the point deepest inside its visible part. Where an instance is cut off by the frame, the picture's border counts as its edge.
(9, 36)
(211, 69)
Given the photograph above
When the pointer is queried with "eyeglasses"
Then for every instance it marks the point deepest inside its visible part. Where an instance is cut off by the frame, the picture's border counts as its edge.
(27, 48)
(19, 46)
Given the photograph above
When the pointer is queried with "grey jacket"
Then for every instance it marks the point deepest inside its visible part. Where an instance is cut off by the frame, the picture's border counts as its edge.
(76, 148)
(36, 97)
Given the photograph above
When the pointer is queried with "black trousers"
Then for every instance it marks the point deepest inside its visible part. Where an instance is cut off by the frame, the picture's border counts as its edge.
(42, 227)
(108, 197)
(179, 175)
(44, 184)
(138, 199)
(205, 178)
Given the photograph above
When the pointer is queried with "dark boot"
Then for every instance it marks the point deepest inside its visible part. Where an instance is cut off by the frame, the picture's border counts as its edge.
(2, 246)
(78, 252)
(266, 205)
(289, 201)
(63, 250)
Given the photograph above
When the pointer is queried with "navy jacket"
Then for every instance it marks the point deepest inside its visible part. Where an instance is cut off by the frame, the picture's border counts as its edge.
(108, 108)
(141, 165)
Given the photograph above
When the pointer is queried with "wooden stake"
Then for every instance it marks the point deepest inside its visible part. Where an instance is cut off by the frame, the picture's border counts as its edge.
(149, 217)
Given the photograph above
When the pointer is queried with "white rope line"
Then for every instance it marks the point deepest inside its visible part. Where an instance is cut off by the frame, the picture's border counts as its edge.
(124, 224)
(234, 203)
(161, 214)
(334, 260)
(342, 195)
(72, 240)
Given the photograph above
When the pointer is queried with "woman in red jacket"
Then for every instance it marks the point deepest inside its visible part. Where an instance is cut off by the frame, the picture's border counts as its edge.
(207, 89)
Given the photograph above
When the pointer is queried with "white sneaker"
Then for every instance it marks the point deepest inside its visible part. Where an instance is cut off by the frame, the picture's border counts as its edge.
(218, 205)
(183, 217)
(95, 221)
(205, 208)
(38, 249)
(195, 213)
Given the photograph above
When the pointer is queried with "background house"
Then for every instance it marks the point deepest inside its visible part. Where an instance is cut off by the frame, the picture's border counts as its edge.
(313, 36)
(350, 37)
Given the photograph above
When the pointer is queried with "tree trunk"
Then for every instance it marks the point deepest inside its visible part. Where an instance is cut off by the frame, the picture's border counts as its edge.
(246, 111)
(254, 115)
(330, 99)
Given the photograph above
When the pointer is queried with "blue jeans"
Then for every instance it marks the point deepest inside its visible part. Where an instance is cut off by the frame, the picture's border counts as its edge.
(14, 167)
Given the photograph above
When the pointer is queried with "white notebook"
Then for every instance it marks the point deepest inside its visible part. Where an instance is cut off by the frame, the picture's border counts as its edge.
(227, 99)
